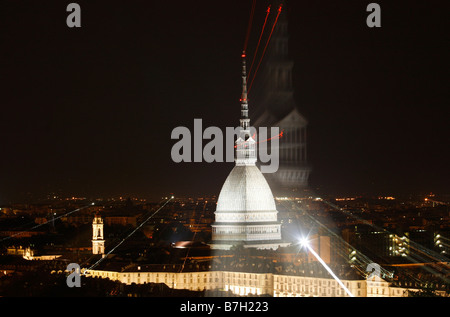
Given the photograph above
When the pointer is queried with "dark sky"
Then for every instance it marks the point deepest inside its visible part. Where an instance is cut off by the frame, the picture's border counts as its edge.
(89, 111)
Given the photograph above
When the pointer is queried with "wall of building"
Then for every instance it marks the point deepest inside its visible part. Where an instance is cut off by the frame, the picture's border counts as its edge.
(241, 283)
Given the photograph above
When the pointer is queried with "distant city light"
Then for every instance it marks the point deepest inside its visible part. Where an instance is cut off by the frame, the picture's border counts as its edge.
(387, 197)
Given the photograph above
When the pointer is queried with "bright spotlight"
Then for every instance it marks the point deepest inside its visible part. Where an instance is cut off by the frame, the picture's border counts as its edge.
(304, 242)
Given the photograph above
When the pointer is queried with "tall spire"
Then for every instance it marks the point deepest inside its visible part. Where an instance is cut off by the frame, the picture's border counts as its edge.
(245, 121)
(245, 144)
(244, 79)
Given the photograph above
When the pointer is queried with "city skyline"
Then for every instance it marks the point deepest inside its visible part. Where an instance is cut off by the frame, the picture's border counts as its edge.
(89, 111)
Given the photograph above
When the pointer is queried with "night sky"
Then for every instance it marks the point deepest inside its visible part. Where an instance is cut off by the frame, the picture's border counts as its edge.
(89, 111)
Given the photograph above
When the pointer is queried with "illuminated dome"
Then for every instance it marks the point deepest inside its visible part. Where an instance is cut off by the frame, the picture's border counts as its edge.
(246, 190)
(246, 212)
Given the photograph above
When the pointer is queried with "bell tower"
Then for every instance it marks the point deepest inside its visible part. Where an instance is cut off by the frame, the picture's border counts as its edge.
(98, 241)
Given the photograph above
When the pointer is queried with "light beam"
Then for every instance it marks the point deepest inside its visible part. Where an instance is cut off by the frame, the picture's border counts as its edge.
(304, 242)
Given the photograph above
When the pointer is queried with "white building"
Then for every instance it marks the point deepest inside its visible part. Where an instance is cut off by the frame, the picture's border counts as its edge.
(244, 283)
(246, 212)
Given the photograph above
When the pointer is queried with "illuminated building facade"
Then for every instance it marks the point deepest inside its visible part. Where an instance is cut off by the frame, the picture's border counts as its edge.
(246, 283)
